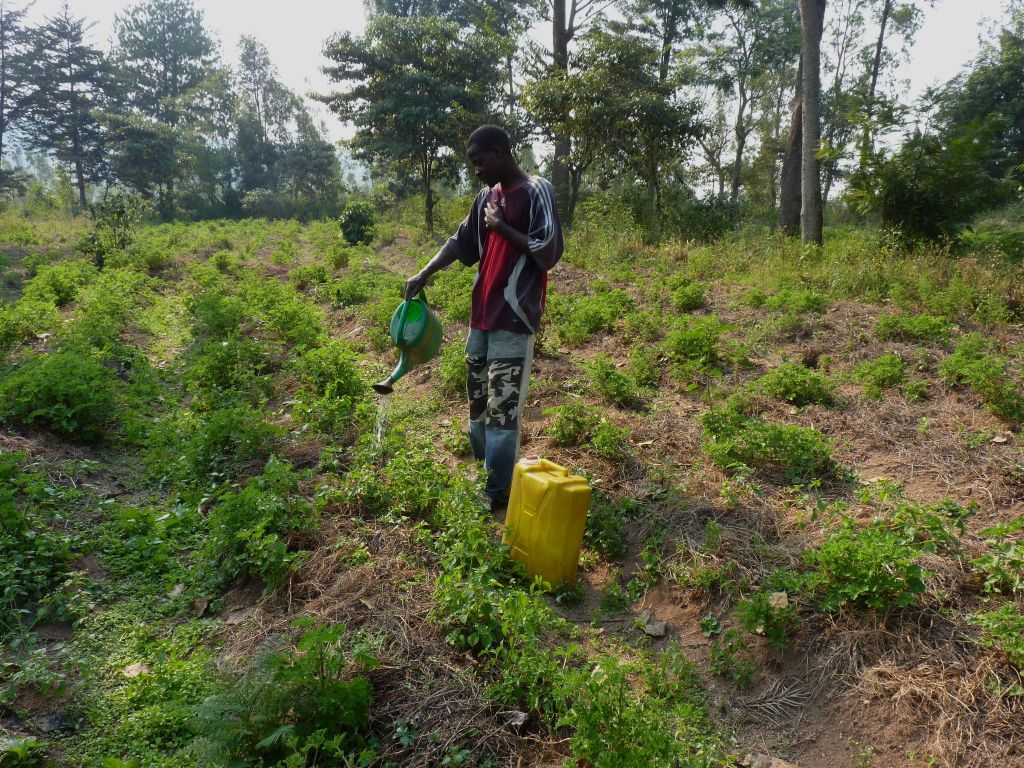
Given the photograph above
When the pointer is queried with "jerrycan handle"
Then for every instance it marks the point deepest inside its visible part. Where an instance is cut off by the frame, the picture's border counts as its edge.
(550, 466)
(421, 296)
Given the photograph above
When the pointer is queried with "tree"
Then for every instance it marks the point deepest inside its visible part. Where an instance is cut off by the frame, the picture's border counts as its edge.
(166, 55)
(757, 41)
(13, 42)
(812, 18)
(68, 80)
(790, 191)
(413, 90)
(992, 88)
(614, 106)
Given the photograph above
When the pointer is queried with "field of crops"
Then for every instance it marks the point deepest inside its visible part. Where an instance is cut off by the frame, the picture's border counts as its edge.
(219, 547)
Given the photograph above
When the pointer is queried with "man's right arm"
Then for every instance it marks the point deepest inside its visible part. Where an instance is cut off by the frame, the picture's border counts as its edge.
(446, 256)
(463, 246)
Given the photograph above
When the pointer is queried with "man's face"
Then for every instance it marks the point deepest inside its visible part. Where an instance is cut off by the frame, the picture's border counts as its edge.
(485, 163)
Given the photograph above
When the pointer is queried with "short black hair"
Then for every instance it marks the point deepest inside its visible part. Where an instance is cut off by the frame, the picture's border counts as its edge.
(489, 137)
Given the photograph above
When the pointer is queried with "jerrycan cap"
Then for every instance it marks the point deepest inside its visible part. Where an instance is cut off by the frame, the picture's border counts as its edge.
(530, 460)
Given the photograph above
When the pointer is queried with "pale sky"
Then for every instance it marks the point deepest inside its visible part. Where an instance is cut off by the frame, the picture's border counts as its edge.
(294, 33)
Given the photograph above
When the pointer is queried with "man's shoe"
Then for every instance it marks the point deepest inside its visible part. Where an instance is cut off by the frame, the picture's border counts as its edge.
(498, 501)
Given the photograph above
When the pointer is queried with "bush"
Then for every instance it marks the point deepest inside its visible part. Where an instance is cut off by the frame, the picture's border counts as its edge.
(932, 187)
(688, 296)
(574, 423)
(606, 525)
(24, 319)
(870, 566)
(692, 346)
(293, 708)
(913, 328)
(986, 374)
(1004, 631)
(356, 221)
(799, 453)
(610, 383)
(223, 372)
(253, 532)
(68, 392)
(60, 283)
(577, 318)
(34, 559)
(771, 611)
(796, 384)
(796, 302)
(887, 371)
(333, 386)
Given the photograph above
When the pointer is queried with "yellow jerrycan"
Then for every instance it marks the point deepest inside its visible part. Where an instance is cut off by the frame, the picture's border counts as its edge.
(547, 512)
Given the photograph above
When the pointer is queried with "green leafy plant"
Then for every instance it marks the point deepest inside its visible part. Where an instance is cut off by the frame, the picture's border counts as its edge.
(913, 328)
(796, 384)
(610, 383)
(332, 387)
(577, 318)
(688, 296)
(356, 222)
(870, 566)
(771, 611)
(34, 557)
(258, 530)
(986, 374)
(291, 708)
(727, 662)
(733, 440)
(692, 346)
(1004, 631)
(880, 374)
(1003, 561)
(69, 392)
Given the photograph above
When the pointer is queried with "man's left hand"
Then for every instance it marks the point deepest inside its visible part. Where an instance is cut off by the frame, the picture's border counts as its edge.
(494, 217)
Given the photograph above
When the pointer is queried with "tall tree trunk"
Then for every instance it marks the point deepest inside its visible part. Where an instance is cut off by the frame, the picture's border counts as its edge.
(428, 195)
(668, 39)
(812, 19)
(741, 141)
(560, 177)
(789, 180)
(866, 143)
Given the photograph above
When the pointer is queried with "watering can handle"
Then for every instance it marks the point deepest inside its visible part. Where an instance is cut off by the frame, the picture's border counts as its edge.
(405, 309)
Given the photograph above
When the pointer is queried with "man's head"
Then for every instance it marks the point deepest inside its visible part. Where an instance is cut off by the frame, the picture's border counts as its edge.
(490, 153)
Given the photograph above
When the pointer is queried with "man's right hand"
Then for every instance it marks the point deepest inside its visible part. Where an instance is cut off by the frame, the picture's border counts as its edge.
(414, 285)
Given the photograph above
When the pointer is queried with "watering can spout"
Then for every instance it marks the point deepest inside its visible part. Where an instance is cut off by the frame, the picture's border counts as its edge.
(387, 386)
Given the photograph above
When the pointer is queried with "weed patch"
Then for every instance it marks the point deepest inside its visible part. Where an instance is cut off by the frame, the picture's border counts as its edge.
(972, 364)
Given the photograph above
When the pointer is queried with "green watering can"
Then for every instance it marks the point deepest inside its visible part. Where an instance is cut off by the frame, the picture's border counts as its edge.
(416, 331)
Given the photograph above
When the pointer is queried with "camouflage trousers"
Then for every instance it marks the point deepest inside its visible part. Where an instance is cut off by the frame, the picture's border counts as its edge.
(498, 374)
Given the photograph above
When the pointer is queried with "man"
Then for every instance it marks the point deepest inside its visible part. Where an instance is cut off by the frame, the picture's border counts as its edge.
(514, 235)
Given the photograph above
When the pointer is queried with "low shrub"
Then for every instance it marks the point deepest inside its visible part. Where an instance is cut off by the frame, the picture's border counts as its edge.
(796, 384)
(615, 386)
(771, 611)
(573, 424)
(880, 374)
(638, 715)
(913, 328)
(68, 392)
(308, 275)
(256, 531)
(606, 525)
(60, 283)
(798, 453)
(577, 318)
(972, 364)
(333, 387)
(356, 222)
(868, 566)
(24, 319)
(34, 558)
(794, 301)
(310, 706)
(689, 295)
(1002, 562)
(219, 373)
(692, 346)
(1003, 630)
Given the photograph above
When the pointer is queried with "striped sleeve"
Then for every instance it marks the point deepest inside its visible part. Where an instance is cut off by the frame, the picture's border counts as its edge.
(545, 228)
